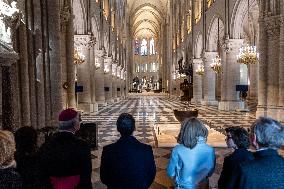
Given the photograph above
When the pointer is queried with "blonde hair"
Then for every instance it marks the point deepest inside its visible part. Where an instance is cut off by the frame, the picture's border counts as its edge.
(7, 147)
(191, 129)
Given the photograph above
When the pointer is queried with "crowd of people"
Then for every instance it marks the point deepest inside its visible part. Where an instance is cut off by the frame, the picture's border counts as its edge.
(64, 161)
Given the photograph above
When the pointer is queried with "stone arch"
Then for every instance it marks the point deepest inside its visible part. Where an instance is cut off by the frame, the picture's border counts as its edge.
(198, 46)
(145, 5)
(80, 17)
(239, 15)
(212, 35)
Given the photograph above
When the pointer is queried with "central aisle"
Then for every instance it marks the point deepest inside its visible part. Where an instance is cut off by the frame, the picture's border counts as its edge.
(150, 111)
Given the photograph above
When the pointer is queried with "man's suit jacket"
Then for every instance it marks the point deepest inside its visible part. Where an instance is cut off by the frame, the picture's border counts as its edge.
(65, 155)
(266, 171)
(230, 163)
(127, 164)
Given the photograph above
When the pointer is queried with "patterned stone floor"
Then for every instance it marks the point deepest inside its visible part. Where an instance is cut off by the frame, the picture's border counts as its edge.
(148, 112)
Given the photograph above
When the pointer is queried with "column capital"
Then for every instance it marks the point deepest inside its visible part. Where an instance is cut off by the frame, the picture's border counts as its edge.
(100, 53)
(208, 56)
(232, 44)
(197, 61)
(84, 41)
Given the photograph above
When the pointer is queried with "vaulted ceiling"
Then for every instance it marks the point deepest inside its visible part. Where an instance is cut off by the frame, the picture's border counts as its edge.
(146, 17)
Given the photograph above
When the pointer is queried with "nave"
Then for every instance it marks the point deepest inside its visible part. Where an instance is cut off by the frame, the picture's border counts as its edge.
(150, 111)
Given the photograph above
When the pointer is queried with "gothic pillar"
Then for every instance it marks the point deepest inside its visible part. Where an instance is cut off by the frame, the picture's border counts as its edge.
(114, 81)
(209, 80)
(55, 61)
(274, 69)
(262, 71)
(94, 104)
(118, 72)
(99, 77)
(108, 79)
(231, 76)
(281, 69)
(197, 82)
(82, 44)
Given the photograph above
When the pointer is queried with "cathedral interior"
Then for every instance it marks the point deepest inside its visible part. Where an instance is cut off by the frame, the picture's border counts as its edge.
(144, 57)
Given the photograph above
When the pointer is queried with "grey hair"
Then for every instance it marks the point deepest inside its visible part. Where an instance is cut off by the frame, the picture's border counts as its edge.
(269, 132)
(67, 125)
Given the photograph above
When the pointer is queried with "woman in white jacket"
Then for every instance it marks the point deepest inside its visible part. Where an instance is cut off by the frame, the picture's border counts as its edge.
(192, 161)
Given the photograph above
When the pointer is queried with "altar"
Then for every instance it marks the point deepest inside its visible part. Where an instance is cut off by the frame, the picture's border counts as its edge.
(167, 135)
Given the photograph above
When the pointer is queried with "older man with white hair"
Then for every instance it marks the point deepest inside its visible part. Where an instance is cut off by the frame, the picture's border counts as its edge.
(65, 160)
(266, 171)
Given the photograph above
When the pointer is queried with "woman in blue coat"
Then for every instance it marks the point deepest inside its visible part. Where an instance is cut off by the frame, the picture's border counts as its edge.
(192, 161)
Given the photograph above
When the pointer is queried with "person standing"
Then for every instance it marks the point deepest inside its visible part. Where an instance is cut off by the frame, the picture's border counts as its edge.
(266, 170)
(65, 160)
(237, 139)
(127, 163)
(192, 161)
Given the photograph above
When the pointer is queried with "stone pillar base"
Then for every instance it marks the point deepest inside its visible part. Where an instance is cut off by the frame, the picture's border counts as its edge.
(261, 112)
(196, 101)
(110, 101)
(209, 102)
(86, 107)
(95, 107)
(231, 105)
(273, 112)
(101, 103)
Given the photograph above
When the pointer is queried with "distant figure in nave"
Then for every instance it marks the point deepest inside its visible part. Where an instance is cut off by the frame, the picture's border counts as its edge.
(26, 155)
(127, 163)
(9, 178)
(266, 170)
(237, 139)
(192, 161)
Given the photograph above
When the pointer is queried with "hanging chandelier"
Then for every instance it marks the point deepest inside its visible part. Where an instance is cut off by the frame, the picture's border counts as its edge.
(248, 54)
(79, 58)
(216, 64)
(200, 69)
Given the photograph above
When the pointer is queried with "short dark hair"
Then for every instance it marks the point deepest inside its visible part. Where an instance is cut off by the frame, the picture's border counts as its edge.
(240, 136)
(26, 139)
(125, 124)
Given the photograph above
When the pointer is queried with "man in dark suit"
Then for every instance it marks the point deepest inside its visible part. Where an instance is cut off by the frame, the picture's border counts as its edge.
(266, 171)
(65, 159)
(127, 163)
(237, 139)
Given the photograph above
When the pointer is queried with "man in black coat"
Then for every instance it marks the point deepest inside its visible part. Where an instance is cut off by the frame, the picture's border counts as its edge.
(127, 163)
(65, 158)
(237, 139)
(266, 171)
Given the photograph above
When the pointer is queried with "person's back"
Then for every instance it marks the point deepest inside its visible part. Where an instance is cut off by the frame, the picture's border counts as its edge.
(237, 139)
(127, 163)
(264, 172)
(192, 161)
(193, 164)
(9, 178)
(64, 157)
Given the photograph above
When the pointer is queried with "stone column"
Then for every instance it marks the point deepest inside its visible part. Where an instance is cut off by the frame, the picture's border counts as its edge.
(114, 81)
(229, 96)
(122, 83)
(93, 82)
(55, 61)
(197, 82)
(209, 80)
(108, 79)
(99, 77)
(281, 69)
(83, 73)
(275, 68)
(262, 71)
(118, 72)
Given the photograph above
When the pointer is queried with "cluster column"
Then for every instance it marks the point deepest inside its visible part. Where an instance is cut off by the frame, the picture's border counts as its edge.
(118, 72)
(99, 77)
(108, 79)
(231, 76)
(114, 81)
(197, 82)
(209, 80)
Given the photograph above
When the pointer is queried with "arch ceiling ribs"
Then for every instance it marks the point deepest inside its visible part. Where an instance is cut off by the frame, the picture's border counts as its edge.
(146, 17)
